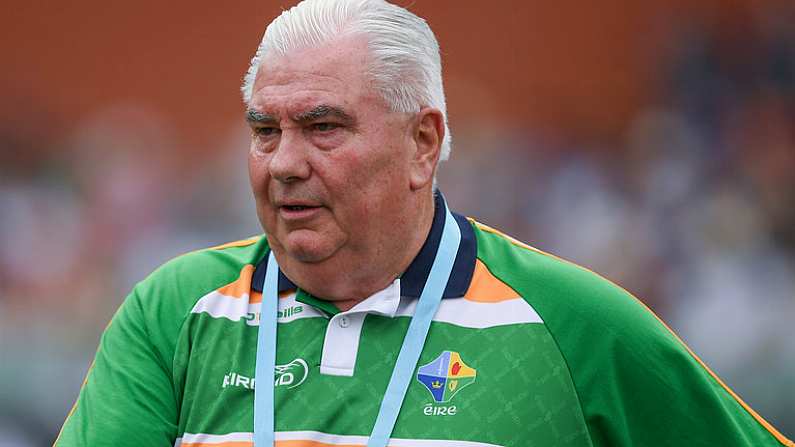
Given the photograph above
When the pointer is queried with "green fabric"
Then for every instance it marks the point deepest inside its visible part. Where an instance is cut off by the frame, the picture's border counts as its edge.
(135, 388)
(637, 384)
(325, 306)
(600, 370)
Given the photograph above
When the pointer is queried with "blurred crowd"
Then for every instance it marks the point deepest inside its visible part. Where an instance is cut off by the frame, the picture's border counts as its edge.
(692, 209)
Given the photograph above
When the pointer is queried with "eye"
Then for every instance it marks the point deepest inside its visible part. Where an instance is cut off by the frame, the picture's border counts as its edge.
(265, 131)
(324, 127)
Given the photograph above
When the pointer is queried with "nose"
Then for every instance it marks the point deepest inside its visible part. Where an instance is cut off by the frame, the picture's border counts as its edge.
(288, 162)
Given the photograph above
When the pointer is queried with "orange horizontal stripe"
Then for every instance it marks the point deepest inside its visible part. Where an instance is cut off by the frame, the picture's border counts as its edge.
(240, 243)
(219, 444)
(486, 288)
(312, 444)
(783, 440)
(516, 242)
(278, 444)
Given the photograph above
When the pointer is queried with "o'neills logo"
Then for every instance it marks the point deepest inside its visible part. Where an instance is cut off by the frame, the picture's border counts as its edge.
(280, 314)
(290, 375)
(289, 312)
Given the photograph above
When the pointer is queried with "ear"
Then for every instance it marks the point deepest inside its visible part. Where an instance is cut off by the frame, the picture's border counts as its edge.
(428, 133)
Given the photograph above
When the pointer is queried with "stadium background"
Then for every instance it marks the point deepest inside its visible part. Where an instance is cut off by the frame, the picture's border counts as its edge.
(653, 142)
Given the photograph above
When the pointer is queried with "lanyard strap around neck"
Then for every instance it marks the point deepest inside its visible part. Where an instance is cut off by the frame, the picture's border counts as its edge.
(407, 358)
(266, 358)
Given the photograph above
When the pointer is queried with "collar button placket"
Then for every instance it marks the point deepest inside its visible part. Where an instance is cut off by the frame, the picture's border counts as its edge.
(411, 348)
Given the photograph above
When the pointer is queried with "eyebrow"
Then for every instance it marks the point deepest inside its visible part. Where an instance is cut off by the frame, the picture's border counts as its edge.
(254, 117)
(323, 111)
(316, 113)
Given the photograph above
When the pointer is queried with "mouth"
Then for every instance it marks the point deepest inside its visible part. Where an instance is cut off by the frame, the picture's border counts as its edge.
(298, 211)
(297, 207)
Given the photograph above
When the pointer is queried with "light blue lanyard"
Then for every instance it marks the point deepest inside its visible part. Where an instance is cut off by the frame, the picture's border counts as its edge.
(266, 358)
(407, 358)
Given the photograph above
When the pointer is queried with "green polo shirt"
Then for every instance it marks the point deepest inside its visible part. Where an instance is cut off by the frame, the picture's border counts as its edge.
(525, 350)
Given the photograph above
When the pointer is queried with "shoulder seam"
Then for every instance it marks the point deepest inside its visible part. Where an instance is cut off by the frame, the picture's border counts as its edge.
(513, 241)
(239, 243)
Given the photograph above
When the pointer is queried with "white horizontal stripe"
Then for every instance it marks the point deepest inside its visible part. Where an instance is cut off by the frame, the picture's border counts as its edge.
(457, 311)
(437, 443)
(325, 438)
(317, 436)
(362, 440)
(193, 438)
(478, 315)
(218, 305)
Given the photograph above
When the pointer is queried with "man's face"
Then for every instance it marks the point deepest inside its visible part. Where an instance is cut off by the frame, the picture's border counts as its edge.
(329, 162)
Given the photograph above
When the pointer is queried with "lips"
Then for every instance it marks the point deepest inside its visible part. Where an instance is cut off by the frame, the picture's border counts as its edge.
(297, 210)
(295, 202)
(297, 207)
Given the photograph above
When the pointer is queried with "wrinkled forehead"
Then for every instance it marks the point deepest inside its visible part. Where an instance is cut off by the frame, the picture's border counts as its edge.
(334, 71)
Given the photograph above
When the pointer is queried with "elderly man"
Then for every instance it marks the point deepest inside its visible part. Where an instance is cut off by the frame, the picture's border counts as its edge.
(369, 313)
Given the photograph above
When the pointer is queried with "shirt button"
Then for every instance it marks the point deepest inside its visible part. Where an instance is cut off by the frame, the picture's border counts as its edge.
(344, 322)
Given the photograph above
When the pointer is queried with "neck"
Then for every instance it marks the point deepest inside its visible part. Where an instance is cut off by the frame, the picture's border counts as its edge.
(349, 278)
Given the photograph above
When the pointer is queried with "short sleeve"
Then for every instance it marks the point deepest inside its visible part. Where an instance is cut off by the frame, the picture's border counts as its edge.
(638, 383)
(128, 398)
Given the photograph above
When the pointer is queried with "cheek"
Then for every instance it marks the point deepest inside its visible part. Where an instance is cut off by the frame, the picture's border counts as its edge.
(374, 183)
(259, 178)
(258, 173)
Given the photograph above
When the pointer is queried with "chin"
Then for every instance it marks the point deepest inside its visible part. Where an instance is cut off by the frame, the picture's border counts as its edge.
(308, 250)
(307, 255)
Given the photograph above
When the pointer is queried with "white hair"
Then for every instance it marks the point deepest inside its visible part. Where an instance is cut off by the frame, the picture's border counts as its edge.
(405, 64)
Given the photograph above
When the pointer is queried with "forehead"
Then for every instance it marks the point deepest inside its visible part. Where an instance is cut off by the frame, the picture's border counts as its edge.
(332, 74)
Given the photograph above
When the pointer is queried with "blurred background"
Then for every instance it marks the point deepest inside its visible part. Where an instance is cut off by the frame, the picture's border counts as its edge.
(653, 142)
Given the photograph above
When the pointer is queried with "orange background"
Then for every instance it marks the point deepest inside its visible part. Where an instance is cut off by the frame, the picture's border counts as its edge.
(568, 67)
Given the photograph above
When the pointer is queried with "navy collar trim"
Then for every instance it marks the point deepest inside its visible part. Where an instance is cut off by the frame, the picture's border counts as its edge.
(413, 279)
